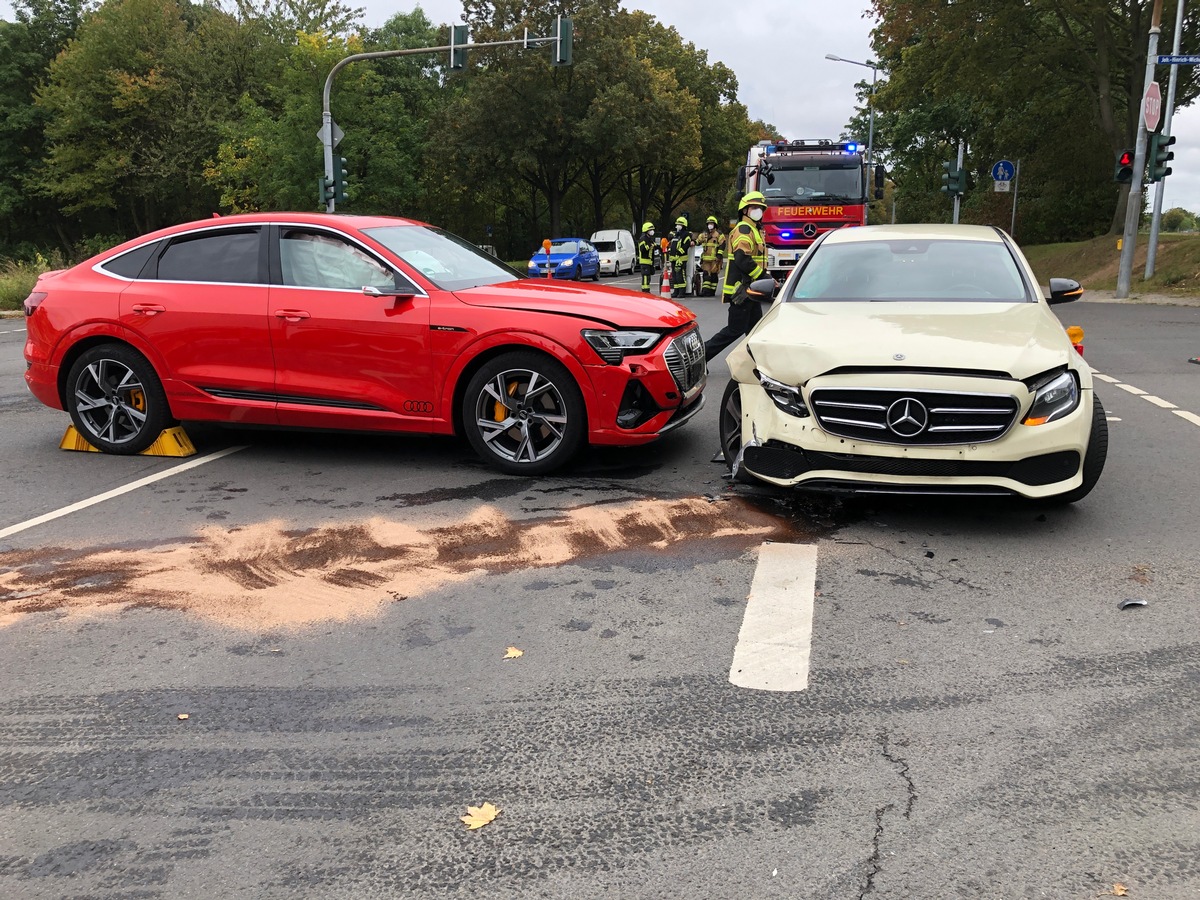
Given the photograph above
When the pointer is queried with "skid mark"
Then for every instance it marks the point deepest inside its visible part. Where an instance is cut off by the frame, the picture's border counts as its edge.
(265, 576)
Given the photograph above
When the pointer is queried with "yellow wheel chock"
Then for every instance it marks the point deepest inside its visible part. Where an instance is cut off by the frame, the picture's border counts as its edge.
(172, 442)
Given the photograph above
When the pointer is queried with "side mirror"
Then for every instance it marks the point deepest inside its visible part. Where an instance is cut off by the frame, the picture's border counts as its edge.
(1064, 290)
(399, 293)
(764, 287)
(880, 177)
(741, 181)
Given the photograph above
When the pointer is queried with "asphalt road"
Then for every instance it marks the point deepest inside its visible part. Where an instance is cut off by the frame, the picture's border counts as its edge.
(331, 613)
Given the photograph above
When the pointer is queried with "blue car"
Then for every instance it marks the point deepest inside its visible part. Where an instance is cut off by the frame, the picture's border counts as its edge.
(572, 258)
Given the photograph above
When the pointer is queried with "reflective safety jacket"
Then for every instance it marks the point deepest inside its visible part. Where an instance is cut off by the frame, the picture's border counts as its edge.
(713, 243)
(680, 245)
(745, 259)
(646, 251)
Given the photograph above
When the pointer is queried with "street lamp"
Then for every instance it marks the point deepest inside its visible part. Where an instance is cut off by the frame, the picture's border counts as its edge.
(870, 102)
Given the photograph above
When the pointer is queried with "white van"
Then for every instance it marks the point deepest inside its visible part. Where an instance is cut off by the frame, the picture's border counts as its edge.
(618, 252)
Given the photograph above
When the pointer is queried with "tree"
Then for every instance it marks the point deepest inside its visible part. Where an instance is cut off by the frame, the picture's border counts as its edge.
(1178, 219)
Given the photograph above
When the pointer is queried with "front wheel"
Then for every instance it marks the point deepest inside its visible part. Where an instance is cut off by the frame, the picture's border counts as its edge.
(730, 423)
(596, 274)
(116, 400)
(523, 413)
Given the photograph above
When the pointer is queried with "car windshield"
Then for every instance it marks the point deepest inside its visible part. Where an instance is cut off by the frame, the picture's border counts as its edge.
(564, 247)
(911, 269)
(813, 184)
(449, 262)
(606, 246)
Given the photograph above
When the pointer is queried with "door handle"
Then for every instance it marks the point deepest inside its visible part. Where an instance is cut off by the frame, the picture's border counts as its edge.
(147, 309)
(291, 315)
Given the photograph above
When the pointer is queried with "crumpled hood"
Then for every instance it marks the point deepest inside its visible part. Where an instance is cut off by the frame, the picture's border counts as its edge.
(612, 306)
(798, 341)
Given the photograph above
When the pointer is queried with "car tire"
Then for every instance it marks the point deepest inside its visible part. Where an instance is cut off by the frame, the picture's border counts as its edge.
(116, 400)
(596, 274)
(523, 437)
(729, 422)
(577, 272)
(1093, 460)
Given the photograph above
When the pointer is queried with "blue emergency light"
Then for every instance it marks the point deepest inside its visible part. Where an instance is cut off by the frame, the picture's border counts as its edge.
(785, 234)
(852, 148)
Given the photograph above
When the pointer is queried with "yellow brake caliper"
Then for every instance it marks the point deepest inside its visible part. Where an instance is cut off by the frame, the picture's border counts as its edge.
(137, 399)
(500, 412)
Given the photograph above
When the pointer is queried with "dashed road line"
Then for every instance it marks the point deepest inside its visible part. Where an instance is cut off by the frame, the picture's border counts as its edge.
(1159, 401)
(1148, 397)
(117, 492)
(14, 331)
(774, 644)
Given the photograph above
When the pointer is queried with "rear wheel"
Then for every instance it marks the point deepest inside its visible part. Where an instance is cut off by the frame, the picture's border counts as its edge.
(1093, 460)
(523, 413)
(116, 400)
(730, 422)
(596, 274)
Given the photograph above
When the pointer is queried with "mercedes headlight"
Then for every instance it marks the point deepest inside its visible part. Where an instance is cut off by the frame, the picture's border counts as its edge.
(786, 397)
(614, 346)
(1054, 396)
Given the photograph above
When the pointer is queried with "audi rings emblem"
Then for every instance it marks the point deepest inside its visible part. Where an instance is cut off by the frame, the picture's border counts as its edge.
(907, 417)
(809, 230)
(418, 406)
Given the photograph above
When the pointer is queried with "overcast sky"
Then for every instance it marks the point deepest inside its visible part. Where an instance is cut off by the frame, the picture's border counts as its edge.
(770, 43)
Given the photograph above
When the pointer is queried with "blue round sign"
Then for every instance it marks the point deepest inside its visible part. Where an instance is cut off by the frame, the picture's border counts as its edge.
(1003, 171)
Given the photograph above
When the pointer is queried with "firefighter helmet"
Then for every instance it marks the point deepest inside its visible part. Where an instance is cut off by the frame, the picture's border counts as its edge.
(682, 220)
(754, 198)
(713, 220)
(647, 226)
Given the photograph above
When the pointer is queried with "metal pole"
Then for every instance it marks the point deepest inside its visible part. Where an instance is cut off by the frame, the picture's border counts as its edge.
(1012, 229)
(1156, 216)
(327, 118)
(871, 123)
(1133, 212)
(958, 196)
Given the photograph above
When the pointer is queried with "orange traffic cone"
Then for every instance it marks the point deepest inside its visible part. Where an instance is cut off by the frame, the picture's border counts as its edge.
(665, 289)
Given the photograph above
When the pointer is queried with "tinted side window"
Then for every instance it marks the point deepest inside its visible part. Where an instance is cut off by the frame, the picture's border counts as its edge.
(130, 265)
(223, 256)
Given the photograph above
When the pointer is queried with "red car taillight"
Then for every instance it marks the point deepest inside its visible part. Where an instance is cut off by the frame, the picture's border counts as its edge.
(33, 301)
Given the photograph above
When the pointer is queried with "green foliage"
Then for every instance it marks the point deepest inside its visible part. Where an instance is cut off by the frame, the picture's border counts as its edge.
(1178, 219)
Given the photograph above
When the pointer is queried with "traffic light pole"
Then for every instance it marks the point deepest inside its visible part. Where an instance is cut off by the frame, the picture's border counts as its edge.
(326, 134)
(957, 195)
(1133, 211)
(1156, 216)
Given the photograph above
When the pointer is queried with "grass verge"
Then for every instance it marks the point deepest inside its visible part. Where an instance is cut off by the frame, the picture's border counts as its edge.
(1094, 264)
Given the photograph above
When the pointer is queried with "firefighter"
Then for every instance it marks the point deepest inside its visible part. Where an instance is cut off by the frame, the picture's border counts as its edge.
(713, 243)
(680, 247)
(646, 250)
(745, 262)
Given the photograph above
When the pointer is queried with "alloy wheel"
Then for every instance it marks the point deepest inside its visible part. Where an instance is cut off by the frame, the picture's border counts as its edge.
(110, 400)
(521, 416)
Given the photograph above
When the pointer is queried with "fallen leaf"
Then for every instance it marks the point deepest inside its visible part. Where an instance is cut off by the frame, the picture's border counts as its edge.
(513, 653)
(182, 716)
(478, 816)
(1118, 890)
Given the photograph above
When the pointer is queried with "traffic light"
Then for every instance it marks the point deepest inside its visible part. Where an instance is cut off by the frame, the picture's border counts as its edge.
(1160, 154)
(954, 181)
(1123, 172)
(339, 179)
(325, 189)
(564, 41)
(458, 46)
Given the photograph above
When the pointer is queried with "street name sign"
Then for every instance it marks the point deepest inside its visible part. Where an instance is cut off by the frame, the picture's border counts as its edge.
(1185, 60)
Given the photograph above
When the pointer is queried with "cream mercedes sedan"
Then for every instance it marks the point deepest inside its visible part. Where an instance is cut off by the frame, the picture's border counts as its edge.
(915, 359)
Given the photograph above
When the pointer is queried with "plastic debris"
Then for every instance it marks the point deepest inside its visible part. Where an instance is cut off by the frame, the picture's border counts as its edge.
(1125, 604)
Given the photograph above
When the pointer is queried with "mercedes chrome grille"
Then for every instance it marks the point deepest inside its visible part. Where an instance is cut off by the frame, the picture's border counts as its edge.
(913, 417)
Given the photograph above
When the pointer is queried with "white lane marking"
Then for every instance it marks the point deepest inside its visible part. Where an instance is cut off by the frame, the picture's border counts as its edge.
(1107, 378)
(1137, 392)
(17, 331)
(1159, 401)
(774, 644)
(117, 492)
(1112, 418)
(1189, 416)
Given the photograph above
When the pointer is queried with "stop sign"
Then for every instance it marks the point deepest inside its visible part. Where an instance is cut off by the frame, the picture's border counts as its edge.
(1152, 107)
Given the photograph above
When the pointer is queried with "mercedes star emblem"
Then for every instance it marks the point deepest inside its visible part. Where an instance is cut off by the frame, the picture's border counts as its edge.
(809, 230)
(907, 417)
(899, 357)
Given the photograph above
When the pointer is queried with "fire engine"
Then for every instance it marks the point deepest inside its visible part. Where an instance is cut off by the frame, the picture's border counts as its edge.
(811, 186)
